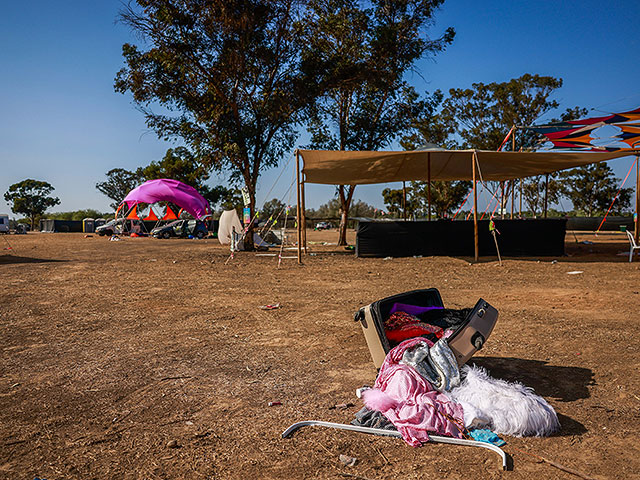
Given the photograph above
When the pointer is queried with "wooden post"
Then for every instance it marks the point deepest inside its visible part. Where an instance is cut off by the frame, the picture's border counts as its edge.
(429, 184)
(546, 194)
(304, 217)
(502, 201)
(637, 232)
(520, 181)
(298, 216)
(475, 207)
(404, 200)
(513, 188)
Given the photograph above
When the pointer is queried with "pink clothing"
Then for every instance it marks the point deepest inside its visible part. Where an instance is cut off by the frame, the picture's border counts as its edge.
(411, 403)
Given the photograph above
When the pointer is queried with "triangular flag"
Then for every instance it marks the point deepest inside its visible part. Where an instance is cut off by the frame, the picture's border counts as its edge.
(133, 214)
(152, 215)
(169, 215)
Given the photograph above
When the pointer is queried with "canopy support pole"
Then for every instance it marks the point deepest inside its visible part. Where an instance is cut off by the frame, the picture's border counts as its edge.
(521, 181)
(404, 200)
(637, 232)
(474, 159)
(429, 183)
(503, 201)
(298, 216)
(513, 189)
(546, 194)
(304, 217)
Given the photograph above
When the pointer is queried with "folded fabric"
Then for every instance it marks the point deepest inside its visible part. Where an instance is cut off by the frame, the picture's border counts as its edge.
(436, 363)
(402, 325)
(411, 403)
(486, 436)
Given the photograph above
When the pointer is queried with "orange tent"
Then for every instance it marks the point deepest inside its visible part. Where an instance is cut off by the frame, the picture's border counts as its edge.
(152, 216)
(133, 214)
(169, 215)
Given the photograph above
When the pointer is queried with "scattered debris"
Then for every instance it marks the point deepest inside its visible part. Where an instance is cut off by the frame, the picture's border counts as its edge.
(553, 262)
(172, 444)
(347, 460)
(575, 272)
(341, 406)
(387, 258)
(273, 306)
(274, 404)
(587, 242)
(114, 238)
(88, 236)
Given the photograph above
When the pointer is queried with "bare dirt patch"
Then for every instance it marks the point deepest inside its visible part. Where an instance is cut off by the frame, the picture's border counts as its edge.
(151, 359)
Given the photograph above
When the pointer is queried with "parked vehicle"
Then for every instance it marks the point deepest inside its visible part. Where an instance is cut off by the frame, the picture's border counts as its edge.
(181, 228)
(323, 226)
(112, 227)
(4, 223)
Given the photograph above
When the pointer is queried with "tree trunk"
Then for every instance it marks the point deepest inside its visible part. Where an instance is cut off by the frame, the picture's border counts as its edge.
(345, 205)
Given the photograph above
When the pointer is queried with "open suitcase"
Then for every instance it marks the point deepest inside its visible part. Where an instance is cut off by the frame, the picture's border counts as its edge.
(468, 337)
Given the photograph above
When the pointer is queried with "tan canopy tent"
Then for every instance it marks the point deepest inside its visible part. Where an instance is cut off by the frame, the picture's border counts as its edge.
(359, 168)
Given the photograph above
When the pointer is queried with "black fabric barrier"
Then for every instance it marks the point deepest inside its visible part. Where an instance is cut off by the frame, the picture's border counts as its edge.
(61, 226)
(524, 238)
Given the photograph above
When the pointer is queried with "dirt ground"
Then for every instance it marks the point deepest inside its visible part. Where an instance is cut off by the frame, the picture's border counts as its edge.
(112, 353)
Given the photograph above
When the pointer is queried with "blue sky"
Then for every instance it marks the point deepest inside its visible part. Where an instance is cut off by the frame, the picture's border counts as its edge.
(63, 123)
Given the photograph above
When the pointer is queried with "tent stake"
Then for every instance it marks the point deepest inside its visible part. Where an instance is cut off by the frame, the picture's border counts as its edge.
(298, 219)
(474, 158)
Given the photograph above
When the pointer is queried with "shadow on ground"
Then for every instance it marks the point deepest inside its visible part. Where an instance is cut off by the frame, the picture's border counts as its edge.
(565, 384)
(13, 259)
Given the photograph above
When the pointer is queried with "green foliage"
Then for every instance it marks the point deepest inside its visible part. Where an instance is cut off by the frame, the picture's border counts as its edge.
(592, 188)
(364, 55)
(118, 184)
(232, 72)
(178, 164)
(78, 215)
(31, 198)
(445, 198)
(533, 188)
(272, 209)
(483, 114)
(396, 206)
(331, 210)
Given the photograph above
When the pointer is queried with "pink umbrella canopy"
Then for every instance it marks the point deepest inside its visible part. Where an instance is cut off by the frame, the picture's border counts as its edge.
(168, 190)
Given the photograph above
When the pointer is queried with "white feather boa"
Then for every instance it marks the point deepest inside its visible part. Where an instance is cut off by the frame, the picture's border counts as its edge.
(504, 407)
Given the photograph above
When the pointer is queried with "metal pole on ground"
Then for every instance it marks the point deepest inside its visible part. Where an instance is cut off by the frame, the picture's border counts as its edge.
(474, 158)
(298, 216)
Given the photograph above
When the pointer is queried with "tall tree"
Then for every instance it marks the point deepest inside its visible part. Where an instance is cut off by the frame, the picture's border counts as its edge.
(366, 54)
(534, 189)
(592, 188)
(233, 72)
(178, 164)
(31, 198)
(119, 182)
